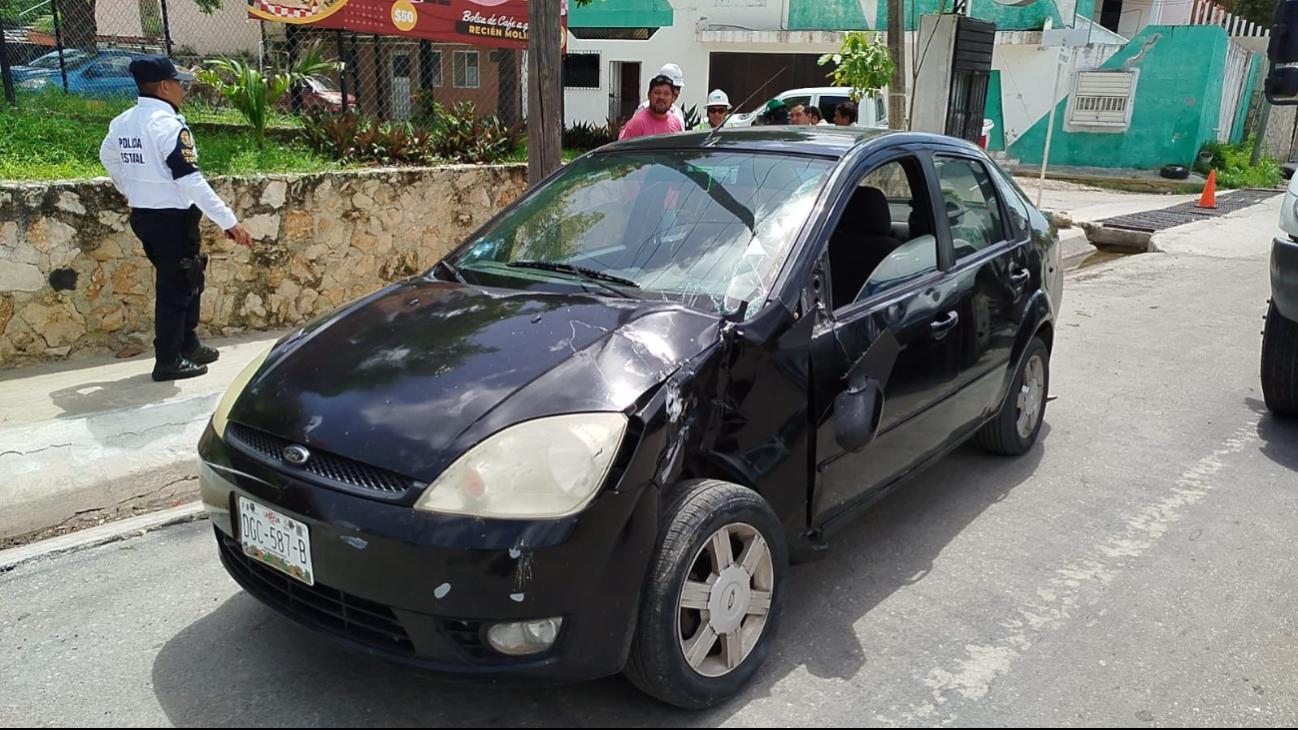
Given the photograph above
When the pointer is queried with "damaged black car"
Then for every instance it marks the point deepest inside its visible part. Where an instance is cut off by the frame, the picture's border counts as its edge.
(594, 437)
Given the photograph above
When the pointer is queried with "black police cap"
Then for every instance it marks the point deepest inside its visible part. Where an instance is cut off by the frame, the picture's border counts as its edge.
(148, 69)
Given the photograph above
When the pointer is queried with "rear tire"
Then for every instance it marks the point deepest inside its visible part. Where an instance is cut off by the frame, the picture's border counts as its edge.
(712, 597)
(1280, 363)
(1015, 428)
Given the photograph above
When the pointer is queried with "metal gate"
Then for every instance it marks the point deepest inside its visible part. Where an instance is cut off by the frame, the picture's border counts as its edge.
(970, 73)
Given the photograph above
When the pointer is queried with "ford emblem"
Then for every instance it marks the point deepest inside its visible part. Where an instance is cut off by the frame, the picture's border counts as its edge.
(296, 455)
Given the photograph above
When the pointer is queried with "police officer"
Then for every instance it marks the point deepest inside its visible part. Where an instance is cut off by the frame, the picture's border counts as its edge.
(150, 154)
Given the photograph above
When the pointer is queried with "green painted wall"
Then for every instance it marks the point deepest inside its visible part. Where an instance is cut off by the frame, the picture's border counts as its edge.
(1177, 104)
(621, 14)
(1033, 17)
(995, 112)
(847, 15)
(826, 15)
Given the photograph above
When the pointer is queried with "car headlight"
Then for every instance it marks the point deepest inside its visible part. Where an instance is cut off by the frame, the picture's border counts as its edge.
(222, 415)
(33, 83)
(549, 467)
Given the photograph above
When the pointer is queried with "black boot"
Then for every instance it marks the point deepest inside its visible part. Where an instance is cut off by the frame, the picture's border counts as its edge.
(203, 355)
(179, 370)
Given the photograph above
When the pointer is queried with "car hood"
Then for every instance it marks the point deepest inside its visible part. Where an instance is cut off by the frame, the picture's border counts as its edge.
(396, 379)
(27, 73)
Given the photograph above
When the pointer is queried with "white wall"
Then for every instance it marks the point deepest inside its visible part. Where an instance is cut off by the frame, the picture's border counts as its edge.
(228, 30)
(736, 14)
(1238, 60)
(679, 44)
(1136, 14)
(932, 86)
(669, 45)
(1028, 77)
(1174, 12)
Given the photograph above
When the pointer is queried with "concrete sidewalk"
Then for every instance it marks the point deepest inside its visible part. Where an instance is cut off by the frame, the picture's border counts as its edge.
(86, 442)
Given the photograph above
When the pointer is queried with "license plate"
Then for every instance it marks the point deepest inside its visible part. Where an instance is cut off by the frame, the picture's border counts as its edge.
(275, 539)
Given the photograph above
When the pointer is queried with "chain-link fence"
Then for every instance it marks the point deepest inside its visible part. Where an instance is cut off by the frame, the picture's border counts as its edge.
(83, 49)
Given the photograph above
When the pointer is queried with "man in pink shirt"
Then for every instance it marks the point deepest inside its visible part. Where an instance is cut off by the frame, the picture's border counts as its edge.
(655, 118)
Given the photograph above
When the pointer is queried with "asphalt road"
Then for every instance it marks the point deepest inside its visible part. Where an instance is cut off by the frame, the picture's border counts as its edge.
(1136, 569)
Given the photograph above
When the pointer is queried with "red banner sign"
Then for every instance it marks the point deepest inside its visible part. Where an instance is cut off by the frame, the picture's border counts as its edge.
(499, 23)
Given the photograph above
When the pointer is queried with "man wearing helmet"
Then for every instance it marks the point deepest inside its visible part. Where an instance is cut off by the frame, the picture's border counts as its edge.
(718, 108)
(673, 72)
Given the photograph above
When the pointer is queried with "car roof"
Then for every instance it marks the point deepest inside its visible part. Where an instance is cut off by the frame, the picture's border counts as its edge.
(818, 90)
(820, 141)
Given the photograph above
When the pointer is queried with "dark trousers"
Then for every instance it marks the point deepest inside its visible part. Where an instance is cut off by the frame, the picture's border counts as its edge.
(171, 241)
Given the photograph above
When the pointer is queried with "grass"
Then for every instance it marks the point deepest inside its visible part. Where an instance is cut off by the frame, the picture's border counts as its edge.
(51, 101)
(520, 155)
(1231, 161)
(60, 140)
(53, 136)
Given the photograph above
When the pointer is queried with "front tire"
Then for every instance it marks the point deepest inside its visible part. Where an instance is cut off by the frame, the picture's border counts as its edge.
(1280, 363)
(712, 597)
(1015, 428)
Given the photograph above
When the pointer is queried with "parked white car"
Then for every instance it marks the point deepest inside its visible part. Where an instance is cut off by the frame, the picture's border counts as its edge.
(873, 112)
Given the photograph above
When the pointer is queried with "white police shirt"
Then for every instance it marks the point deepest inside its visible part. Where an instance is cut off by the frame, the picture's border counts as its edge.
(150, 155)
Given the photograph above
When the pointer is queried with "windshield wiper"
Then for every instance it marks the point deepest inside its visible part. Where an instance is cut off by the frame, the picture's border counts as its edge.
(453, 271)
(595, 277)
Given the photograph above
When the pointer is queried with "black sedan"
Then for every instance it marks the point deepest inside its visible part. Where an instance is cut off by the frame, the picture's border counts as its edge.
(593, 438)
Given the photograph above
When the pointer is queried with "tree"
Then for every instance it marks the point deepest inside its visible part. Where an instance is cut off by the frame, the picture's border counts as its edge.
(897, 116)
(863, 64)
(544, 88)
(77, 23)
(1261, 12)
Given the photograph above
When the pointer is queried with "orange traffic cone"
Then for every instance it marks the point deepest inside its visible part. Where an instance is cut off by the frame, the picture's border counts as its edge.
(1209, 197)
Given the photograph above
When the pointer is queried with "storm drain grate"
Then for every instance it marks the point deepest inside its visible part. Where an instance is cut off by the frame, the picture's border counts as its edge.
(1188, 212)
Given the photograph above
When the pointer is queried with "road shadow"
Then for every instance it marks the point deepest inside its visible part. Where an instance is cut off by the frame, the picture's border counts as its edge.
(242, 664)
(1279, 435)
(108, 395)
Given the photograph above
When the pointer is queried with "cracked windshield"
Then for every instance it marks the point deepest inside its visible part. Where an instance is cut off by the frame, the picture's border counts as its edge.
(709, 229)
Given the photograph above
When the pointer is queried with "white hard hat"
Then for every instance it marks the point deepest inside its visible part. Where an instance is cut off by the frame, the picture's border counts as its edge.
(718, 98)
(673, 72)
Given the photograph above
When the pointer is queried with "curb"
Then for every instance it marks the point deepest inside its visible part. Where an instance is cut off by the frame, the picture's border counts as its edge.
(65, 472)
(102, 535)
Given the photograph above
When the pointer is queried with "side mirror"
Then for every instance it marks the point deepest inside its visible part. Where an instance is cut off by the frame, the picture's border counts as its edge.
(858, 412)
(955, 212)
(1281, 84)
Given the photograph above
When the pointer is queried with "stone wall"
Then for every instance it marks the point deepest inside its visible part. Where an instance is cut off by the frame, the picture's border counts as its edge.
(74, 280)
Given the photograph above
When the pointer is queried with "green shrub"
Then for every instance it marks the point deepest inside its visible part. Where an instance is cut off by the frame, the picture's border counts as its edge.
(585, 136)
(458, 135)
(1231, 161)
(253, 94)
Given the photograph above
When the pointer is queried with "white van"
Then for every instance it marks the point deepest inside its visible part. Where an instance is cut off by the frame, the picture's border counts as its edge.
(872, 110)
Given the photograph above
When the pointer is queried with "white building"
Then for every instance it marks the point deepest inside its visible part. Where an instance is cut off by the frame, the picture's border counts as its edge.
(764, 47)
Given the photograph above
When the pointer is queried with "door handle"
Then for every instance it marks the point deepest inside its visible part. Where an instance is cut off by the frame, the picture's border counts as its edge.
(1020, 278)
(942, 325)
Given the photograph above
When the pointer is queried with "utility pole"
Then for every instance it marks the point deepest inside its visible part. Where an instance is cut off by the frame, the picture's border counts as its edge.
(897, 49)
(544, 92)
